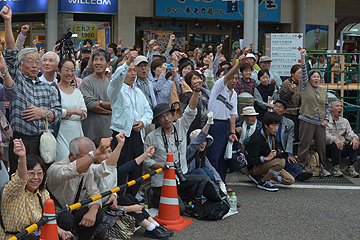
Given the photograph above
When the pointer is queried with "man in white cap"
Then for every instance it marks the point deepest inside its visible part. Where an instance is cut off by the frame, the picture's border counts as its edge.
(265, 63)
(132, 114)
(143, 80)
(248, 125)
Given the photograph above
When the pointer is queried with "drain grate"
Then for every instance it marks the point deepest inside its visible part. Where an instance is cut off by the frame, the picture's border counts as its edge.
(328, 180)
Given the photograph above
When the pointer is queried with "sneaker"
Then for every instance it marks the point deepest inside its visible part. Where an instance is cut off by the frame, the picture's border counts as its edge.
(165, 230)
(326, 173)
(336, 171)
(304, 176)
(256, 179)
(351, 171)
(157, 233)
(267, 185)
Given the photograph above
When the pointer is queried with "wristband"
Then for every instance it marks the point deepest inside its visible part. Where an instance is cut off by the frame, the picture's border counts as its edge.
(232, 133)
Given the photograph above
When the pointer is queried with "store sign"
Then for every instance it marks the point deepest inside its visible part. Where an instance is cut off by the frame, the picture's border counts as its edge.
(89, 6)
(284, 50)
(269, 10)
(25, 6)
(85, 31)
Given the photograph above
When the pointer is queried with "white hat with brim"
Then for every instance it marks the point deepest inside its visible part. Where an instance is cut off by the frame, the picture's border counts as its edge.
(196, 132)
(140, 59)
(249, 111)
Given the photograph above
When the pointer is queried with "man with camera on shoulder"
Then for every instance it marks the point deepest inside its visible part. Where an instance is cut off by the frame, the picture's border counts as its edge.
(266, 155)
(171, 137)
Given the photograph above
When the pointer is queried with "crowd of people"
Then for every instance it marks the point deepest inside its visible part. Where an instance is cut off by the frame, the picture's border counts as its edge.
(114, 112)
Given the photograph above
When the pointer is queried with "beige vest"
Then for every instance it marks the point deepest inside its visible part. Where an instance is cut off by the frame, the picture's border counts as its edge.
(312, 100)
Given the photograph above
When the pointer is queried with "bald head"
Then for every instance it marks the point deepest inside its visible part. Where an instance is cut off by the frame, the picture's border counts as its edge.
(81, 146)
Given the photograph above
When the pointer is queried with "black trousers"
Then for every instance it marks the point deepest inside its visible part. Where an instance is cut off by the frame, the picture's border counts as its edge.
(336, 154)
(32, 147)
(128, 200)
(67, 222)
(133, 147)
(184, 190)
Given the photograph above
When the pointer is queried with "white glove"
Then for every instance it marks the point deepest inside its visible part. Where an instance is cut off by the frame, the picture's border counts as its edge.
(223, 187)
(210, 120)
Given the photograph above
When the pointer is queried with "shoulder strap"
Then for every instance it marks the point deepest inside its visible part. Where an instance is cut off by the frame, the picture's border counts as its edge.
(78, 191)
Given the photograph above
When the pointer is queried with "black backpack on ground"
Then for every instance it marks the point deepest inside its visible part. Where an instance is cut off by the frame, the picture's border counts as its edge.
(209, 202)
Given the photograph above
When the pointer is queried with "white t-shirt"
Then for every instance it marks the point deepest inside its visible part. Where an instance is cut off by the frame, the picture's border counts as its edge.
(220, 102)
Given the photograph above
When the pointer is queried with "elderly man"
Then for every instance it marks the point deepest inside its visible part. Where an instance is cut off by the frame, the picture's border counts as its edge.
(143, 79)
(49, 65)
(248, 125)
(72, 180)
(94, 88)
(223, 103)
(171, 137)
(35, 101)
(341, 141)
(265, 63)
(132, 113)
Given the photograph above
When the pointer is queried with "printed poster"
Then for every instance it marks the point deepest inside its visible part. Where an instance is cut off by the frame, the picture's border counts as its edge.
(284, 51)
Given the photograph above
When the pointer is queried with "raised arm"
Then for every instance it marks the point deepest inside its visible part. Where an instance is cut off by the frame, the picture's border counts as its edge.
(234, 69)
(6, 14)
(19, 149)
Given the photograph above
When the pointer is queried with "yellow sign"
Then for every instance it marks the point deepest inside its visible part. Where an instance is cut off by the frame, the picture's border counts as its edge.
(86, 30)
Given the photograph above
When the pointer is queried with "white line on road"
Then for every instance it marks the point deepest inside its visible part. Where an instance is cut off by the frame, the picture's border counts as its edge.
(305, 186)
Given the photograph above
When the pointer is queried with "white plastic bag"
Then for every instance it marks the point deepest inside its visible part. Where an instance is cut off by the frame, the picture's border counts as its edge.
(4, 176)
(228, 151)
(47, 145)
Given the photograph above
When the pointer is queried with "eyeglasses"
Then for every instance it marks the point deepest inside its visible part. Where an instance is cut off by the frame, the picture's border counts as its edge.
(32, 174)
(31, 62)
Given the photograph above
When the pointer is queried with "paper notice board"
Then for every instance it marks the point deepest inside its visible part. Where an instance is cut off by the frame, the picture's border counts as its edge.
(284, 51)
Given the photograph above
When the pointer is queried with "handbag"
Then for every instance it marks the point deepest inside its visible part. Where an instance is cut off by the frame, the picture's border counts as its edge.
(238, 159)
(47, 145)
(6, 130)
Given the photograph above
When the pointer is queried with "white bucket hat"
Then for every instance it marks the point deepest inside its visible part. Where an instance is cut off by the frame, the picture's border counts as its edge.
(249, 111)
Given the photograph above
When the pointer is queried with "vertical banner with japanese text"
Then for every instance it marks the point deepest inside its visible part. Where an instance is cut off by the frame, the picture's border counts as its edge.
(284, 50)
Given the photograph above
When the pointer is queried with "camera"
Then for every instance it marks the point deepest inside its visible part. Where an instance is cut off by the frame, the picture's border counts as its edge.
(280, 153)
(68, 44)
(179, 173)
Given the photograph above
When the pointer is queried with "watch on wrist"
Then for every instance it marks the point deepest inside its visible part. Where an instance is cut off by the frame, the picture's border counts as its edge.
(3, 73)
(100, 102)
(91, 153)
(47, 114)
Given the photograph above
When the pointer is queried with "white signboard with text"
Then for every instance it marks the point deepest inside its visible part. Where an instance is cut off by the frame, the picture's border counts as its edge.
(284, 50)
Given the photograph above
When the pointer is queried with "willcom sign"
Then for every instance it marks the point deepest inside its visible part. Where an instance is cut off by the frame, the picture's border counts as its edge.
(89, 6)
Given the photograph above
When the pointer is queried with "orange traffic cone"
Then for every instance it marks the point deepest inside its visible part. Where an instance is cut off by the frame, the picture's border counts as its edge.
(49, 230)
(169, 212)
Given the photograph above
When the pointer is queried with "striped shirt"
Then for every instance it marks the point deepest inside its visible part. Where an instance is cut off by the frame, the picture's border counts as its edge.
(316, 119)
(30, 93)
(20, 207)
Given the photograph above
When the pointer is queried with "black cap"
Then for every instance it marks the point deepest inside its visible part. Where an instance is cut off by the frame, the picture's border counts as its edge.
(281, 101)
(160, 109)
(86, 49)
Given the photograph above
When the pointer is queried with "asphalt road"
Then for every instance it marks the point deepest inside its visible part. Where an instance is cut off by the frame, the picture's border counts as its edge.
(290, 213)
